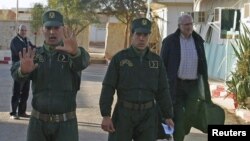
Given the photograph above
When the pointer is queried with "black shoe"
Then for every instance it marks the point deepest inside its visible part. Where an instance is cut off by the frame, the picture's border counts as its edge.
(24, 115)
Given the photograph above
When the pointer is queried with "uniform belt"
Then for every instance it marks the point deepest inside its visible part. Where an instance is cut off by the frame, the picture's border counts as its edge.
(137, 106)
(53, 117)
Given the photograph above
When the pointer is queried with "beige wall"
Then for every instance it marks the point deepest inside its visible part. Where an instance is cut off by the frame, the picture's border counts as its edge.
(114, 39)
(83, 38)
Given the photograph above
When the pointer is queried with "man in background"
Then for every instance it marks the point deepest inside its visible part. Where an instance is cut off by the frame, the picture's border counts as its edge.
(184, 58)
(20, 91)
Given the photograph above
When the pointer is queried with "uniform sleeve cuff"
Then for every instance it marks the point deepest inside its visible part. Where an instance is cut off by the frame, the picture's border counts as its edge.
(20, 73)
(77, 54)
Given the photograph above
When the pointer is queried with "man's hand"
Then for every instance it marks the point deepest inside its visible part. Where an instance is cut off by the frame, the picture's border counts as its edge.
(107, 125)
(169, 122)
(26, 60)
(70, 43)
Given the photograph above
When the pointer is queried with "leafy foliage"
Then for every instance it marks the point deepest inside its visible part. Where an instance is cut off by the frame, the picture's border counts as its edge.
(36, 22)
(36, 14)
(239, 83)
(78, 14)
(125, 11)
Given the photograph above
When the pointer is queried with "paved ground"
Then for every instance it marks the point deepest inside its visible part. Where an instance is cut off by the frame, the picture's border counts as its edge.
(87, 112)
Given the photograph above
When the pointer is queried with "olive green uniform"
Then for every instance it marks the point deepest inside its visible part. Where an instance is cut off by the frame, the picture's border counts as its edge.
(137, 79)
(55, 83)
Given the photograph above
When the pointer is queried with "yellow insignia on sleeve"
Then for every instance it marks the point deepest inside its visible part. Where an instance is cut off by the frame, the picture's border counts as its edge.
(39, 58)
(126, 61)
(62, 58)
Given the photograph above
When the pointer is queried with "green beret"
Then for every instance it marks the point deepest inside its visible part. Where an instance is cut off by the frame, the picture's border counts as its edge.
(52, 18)
(141, 25)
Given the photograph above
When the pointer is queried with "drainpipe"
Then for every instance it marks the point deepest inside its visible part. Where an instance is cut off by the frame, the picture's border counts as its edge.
(16, 24)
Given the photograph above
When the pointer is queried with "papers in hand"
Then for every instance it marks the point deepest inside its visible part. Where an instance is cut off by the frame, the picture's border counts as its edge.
(167, 129)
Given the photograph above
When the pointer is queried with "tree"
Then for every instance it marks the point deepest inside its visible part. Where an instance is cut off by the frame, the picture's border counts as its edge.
(125, 11)
(78, 14)
(36, 14)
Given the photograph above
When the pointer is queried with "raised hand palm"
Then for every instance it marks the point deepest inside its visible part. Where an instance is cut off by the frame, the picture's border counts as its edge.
(70, 43)
(26, 60)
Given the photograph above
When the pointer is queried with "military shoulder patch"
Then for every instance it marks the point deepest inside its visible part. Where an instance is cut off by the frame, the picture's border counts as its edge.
(39, 58)
(154, 64)
(126, 61)
(62, 58)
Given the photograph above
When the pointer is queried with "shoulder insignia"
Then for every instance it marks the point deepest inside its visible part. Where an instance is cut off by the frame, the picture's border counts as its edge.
(39, 58)
(62, 58)
(154, 64)
(126, 61)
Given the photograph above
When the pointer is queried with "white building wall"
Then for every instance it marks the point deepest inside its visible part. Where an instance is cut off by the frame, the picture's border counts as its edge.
(220, 56)
(24, 16)
(97, 33)
(209, 6)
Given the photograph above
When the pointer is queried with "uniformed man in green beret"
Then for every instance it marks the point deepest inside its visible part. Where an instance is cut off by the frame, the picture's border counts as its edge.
(55, 71)
(139, 78)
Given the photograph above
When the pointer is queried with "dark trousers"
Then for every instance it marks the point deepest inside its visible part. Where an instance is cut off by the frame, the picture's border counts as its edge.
(52, 131)
(184, 107)
(19, 97)
(138, 125)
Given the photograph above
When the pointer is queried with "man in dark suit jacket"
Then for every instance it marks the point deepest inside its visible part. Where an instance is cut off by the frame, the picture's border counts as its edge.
(20, 90)
(184, 58)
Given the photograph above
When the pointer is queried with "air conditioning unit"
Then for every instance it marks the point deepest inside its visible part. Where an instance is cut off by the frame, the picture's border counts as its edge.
(246, 10)
(229, 20)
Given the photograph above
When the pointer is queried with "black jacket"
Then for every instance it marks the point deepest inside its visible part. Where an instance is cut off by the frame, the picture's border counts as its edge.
(17, 44)
(170, 53)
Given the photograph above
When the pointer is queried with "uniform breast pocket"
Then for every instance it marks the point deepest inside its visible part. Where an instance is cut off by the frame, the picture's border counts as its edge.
(152, 77)
(126, 76)
(63, 75)
(152, 74)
